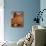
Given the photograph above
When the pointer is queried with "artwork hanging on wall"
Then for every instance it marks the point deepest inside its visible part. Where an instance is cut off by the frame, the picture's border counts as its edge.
(17, 19)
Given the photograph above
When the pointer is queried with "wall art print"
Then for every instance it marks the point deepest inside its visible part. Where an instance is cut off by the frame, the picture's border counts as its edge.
(17, 19)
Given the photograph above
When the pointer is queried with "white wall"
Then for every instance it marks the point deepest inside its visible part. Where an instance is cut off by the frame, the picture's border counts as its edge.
(1, 21)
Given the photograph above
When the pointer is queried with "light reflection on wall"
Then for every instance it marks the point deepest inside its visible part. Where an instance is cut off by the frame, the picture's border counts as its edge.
(1, 21)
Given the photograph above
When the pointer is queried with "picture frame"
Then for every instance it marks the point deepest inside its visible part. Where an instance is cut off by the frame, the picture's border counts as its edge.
(17, 19)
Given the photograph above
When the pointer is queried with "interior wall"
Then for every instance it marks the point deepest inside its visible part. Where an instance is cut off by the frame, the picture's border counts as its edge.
(43, 6)
(29, 7)
(1, 21)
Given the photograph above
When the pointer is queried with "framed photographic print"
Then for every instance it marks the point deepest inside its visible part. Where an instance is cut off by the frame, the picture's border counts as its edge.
(17, 19)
